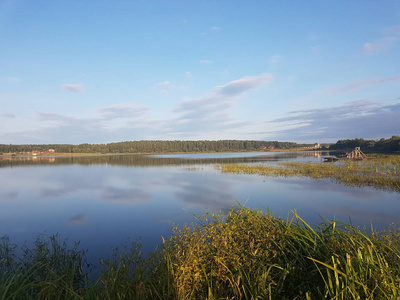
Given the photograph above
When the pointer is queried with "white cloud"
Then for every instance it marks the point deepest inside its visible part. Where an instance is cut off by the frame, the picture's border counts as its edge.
(189, 74)
(206, 62)
(390, 38)
(239, 86)
(75, 87)
(163, 83)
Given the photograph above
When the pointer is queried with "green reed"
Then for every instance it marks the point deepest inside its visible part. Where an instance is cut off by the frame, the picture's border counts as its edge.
(381, 172)
(241, 254)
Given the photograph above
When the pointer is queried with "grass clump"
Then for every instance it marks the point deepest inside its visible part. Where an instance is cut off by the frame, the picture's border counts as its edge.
(241, 254)
(50, 270)
(246, 254)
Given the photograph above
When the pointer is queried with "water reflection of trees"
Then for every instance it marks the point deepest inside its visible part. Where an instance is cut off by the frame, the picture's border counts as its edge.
(144, 160)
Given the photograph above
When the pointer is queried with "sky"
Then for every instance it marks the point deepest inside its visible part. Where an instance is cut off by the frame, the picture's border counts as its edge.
(312, 71)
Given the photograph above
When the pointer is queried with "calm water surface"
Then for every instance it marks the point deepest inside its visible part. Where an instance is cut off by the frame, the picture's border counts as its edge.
(103, 200)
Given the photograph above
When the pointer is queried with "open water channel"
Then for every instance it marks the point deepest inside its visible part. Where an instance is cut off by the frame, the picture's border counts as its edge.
(104, 200)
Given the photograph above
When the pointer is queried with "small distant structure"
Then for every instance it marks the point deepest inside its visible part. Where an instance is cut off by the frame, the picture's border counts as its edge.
(52, 150)
(330, 159)
(357, 154)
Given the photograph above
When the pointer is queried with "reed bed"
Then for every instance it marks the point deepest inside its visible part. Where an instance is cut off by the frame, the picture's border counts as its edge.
(241, 254)
(382, 172)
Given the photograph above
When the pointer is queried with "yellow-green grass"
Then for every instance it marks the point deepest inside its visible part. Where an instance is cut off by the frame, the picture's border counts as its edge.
(378, 171)
(241, 254)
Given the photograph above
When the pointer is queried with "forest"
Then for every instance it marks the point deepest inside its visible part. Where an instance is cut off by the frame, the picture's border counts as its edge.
(157, 146)
(391, 145)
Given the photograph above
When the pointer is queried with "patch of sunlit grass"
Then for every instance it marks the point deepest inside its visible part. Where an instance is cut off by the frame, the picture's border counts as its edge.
(378, 171)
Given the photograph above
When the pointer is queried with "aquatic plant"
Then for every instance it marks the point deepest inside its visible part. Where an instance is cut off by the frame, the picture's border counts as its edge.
(240, 254)
(246, 254)
(49, 270)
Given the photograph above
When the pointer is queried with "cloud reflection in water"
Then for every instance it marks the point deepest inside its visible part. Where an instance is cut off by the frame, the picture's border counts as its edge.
(78, 220)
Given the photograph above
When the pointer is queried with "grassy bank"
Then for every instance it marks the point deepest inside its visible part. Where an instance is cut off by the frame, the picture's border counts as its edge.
(241, 254)
(379, 171)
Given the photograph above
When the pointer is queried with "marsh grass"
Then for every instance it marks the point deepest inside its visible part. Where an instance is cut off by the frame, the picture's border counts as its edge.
(382, 172)
(50, 270)
(241, 254)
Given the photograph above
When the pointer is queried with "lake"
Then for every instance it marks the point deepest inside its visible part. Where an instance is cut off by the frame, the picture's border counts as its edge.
(103, 200)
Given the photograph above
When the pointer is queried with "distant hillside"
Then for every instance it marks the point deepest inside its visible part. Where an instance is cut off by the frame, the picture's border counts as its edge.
(391, 145)
(155, 147)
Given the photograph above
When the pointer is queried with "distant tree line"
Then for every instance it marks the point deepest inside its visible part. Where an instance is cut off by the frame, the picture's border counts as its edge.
(391, 145)
(156, 147)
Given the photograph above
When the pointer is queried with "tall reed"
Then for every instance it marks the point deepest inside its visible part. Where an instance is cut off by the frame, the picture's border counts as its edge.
(241, 254)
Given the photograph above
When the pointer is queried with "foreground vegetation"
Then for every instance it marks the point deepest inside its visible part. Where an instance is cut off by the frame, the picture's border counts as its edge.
(241, 254)
(379, 171)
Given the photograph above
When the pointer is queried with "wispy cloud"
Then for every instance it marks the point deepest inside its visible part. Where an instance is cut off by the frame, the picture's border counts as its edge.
(13, 79)
(358, 119)
(206, 62)
(7, 115)
(124, 110)
(163, 83)
(275, 59)
(350, 87)
(237, 87)
(356, 85)
(390, 38)
(165, 87)
(211, 31)
(75, 87)
(49, 116)
(211, 112)
(104, 124)
(189, 74)
(214, 116)
(208, 117)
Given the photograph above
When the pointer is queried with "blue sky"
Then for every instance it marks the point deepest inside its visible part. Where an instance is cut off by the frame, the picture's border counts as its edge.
(107, 71)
